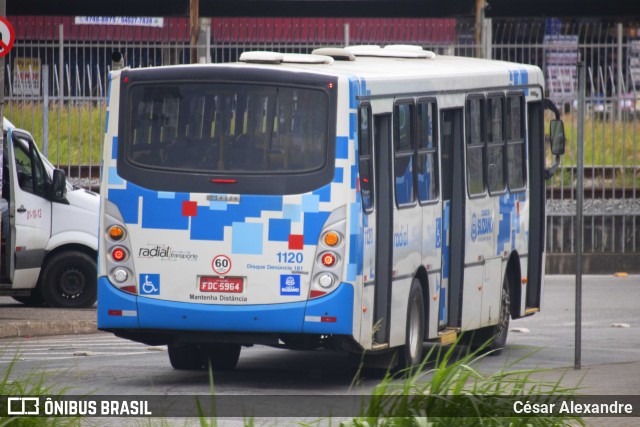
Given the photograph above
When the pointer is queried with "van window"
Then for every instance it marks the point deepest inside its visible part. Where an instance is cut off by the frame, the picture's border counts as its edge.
(32, 177)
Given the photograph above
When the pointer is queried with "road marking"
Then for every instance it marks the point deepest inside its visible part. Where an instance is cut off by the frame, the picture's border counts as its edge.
(90, 346)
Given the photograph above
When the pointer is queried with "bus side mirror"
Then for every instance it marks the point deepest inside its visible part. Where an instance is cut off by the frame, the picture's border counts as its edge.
(59, 186)
(557, 137)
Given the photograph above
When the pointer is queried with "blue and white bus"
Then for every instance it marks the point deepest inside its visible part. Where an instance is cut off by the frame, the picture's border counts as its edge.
(364, 198)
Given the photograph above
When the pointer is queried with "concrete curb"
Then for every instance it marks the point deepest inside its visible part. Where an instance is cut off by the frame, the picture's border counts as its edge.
(33, 329)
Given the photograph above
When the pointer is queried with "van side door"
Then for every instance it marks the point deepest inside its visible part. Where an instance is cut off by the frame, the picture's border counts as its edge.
(29, 209)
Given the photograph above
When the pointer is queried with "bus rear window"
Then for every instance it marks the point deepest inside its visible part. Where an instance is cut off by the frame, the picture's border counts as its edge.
(220, 128)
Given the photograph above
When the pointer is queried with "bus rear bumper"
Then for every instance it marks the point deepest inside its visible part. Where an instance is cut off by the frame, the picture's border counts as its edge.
(331, 314)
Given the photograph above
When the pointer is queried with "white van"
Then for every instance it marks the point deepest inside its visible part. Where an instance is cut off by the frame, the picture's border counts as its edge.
(49, 229)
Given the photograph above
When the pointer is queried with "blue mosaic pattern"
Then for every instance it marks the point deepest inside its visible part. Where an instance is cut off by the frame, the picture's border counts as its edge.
(313, 223)
(509, 225)
(114, 179)
(519, 77)
(324, 193)
(245, 238)
(292, 212)
(310, 203)
(114, 148)
(253, 216)
(342, 147)
(279, 230)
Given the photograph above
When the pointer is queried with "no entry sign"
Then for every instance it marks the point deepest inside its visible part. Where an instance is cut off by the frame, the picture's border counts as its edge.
(7, 36)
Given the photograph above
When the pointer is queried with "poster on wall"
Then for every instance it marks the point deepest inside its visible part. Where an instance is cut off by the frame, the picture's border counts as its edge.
(26, 77)
(135, 21)
(561, 58)
(634, 65)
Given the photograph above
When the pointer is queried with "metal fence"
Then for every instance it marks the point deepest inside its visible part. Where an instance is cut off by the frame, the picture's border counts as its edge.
(56, 88)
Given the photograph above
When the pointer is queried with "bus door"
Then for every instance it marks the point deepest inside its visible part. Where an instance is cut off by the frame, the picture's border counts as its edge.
(535, 126)
(383, 225)
(453, 217)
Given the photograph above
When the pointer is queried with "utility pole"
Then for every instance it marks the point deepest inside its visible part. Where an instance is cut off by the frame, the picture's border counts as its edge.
(480, 8)
(194, 17)
(3, 12)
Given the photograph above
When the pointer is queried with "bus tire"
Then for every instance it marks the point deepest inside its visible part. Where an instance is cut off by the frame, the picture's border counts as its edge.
(410, 354)
(186, 357)
(494, 338)
(69, 280)
(223, 356)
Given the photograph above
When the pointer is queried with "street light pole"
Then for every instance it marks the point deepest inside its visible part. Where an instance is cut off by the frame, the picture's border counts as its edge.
(195, 29)
(3, 12)
(579, 214)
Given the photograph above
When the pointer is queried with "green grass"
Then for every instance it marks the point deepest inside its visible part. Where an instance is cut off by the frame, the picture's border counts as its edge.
(458, 393)
(75, 132)
(447, 389)
(445, 376)
(33, 383)
(605, 142)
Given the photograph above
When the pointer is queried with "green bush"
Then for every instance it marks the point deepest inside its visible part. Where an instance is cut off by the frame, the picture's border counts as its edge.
(76, 131)
(31, 384)
(443, 395)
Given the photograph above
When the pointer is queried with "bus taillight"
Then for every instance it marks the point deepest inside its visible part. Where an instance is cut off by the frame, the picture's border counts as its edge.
(117, 247)
(328, 259)
(118, 254)
(330, 255)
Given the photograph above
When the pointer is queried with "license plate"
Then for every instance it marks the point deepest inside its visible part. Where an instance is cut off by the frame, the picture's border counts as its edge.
(234, 285)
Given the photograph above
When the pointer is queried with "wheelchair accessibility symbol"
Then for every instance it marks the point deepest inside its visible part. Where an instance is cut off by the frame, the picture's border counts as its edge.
(149, 284)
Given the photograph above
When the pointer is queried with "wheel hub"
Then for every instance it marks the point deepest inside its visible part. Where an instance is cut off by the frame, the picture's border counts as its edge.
(72, 282)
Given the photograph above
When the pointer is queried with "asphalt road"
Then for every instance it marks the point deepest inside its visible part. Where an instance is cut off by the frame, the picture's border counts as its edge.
(103, 364)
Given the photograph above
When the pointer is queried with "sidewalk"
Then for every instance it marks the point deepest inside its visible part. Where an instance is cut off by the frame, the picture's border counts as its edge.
(616, 379)
(16, 320)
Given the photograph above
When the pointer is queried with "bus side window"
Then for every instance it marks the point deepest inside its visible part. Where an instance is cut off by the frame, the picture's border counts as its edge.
(427, 152)
(495, 144)
(516, 161)
(365, 159)
(404, 149)
(475, 145)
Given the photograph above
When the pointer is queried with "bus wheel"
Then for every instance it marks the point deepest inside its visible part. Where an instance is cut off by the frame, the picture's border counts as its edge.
(410, 354)
(69, 280)
(223, 356)
(187, 357)
(495, 335)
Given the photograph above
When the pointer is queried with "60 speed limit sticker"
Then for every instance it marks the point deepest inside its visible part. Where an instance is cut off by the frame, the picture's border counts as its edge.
(221, 264)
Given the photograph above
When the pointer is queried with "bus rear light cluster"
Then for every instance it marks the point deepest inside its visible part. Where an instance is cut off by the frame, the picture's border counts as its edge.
(328, 268)
(119, 263)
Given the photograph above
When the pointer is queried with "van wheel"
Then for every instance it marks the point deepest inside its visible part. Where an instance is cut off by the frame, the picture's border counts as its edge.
(186, 357)
(33, 300)
(410, 354)
(69, 280)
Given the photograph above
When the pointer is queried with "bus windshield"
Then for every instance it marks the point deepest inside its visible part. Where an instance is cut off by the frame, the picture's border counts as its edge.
(226, 128)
